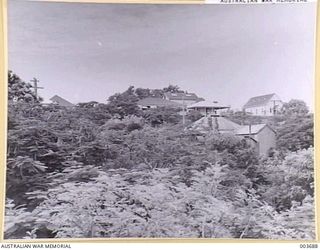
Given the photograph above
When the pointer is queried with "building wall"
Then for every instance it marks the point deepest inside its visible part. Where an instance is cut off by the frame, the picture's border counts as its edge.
(203, 110)
(266, 139)
(255, 145)
(266, 110)
(208, 111)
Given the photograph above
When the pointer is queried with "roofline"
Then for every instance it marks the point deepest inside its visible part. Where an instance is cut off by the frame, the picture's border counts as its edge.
(252, 106)
(265, 125)
(193, 95)
(219, 107)
(262, 95)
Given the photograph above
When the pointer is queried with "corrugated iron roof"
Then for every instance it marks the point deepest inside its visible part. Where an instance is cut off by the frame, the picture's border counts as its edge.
(222, 124)
(258, 101)
(155, 101)
(208, 104)
(181, 96)
(255, 129)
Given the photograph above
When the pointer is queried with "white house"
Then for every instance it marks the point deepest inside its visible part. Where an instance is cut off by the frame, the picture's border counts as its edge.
(264, 105)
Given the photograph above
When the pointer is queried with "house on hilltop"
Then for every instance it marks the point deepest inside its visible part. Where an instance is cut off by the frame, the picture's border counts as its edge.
(207, 108)
(264, 105)
(182, 98)
(156, 102)
(57, 100)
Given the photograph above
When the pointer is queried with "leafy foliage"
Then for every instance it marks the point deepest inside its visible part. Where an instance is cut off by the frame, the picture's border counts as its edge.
(295, 107)
(163, 115)
(18, 90)
(296, 133)
(219, 202)
(124, 104)
(109, 170)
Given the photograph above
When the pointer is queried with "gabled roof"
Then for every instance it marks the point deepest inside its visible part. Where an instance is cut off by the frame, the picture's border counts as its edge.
(225, 124)
(60, 101)
(181, 96)
(258, 101)
(157, 101)
(255, 129)
(220, 123)
(208, 104)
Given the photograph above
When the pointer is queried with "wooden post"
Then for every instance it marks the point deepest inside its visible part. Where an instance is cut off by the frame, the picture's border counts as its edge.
(35, 86)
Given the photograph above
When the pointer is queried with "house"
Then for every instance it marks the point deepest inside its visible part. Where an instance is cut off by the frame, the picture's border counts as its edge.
(182, 98)
(207, 108)
(261, 136)
(264, 105)
(156, 102)
(60, 101)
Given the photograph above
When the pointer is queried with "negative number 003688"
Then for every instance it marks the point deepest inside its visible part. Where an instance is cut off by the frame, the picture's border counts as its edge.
(308, 245)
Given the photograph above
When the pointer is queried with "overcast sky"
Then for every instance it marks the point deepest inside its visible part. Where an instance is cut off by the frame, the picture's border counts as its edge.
(229, 53)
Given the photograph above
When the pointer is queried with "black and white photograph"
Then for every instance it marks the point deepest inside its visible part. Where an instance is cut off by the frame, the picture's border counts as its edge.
(160, 121)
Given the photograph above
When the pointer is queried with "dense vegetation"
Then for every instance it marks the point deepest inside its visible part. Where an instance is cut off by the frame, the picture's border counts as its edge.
(112, 170)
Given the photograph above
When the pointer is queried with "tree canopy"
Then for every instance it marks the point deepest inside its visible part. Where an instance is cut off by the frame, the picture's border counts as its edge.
(18, 90)
(295, 107)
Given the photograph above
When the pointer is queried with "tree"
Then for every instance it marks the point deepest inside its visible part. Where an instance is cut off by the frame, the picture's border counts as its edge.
(162, 115)
(233, 151)
(295, 107)
(194, 115)
(295, 133)
(135, 179)
(143, 93)
(287, 180)
(173, 89)
(91, 104)
(124, 104)
(98, 113)
(18, 90)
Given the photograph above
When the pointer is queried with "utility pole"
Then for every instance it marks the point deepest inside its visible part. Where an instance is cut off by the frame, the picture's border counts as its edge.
(35, 82)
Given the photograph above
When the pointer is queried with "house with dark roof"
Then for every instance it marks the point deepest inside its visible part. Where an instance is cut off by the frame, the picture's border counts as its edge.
(183, 98)
(156, 102)
(207, 108)
(264, 105)
(60, 101)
